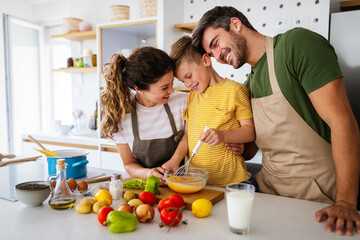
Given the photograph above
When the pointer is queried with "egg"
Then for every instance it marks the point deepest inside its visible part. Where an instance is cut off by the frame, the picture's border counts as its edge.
(72, 184)
(82, 186)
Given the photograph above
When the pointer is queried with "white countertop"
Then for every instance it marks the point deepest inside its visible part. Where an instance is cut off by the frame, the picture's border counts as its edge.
(273, 217)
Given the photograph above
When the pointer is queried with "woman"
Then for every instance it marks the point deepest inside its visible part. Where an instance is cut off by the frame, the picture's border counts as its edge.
(146, 122)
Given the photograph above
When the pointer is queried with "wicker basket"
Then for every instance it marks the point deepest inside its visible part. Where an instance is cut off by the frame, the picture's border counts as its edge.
(148, 8)
(71, 25)
(119, 12)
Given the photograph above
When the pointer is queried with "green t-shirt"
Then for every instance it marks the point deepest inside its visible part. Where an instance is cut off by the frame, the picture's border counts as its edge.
(304, 62)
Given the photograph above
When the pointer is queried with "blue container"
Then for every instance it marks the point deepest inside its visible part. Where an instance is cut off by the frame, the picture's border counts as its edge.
(76, 162)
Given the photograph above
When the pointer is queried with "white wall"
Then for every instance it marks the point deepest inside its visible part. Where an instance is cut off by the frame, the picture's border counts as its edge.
(21, 9)
(92, 11)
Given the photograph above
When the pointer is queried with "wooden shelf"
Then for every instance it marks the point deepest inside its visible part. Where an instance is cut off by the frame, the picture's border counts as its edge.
(76, 70)
(186, 27)
(182, 89)
(350, 5)
(79, 36)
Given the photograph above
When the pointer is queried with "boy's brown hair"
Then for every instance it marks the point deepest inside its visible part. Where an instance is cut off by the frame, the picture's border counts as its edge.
(183, 50)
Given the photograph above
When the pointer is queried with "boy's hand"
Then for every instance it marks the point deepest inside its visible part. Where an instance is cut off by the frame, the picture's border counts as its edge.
(212, 137)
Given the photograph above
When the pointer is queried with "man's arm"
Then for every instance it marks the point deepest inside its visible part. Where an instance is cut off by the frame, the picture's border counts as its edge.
(331, 103)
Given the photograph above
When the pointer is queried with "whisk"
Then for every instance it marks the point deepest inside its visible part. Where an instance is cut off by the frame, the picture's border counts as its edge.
(183, 170)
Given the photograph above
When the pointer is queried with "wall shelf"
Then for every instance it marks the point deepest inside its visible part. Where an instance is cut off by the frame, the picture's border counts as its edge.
(76, 70)
(79, 36)
(182, 89)
(186, 27)
(350, 5)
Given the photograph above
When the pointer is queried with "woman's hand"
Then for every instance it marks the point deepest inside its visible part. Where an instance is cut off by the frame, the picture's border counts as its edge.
(159, 173)
(170, 166)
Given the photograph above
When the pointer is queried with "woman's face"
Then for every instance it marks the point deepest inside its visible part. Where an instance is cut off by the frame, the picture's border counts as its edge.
(159, 92)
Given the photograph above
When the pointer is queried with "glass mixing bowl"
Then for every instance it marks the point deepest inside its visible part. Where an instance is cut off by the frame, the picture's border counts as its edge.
(192, 182)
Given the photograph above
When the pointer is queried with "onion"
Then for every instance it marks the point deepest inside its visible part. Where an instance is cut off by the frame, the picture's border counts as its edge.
(145, 213)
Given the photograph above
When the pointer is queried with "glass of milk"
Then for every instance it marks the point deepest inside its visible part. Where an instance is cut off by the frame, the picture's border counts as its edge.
(239, 200)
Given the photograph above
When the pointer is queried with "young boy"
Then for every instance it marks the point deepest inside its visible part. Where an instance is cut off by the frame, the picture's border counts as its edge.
(219, 103)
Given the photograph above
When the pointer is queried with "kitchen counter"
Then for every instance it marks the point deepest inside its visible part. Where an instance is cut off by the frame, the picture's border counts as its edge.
(273, 217)
(55, 138)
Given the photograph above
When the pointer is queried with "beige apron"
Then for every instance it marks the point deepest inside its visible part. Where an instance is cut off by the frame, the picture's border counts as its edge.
(297, 162)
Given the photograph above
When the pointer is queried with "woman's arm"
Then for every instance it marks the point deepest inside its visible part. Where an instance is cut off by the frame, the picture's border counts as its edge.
(132, 166)
(181, 151)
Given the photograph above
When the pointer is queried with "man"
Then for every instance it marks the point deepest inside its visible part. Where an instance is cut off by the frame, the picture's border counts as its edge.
(304, 123)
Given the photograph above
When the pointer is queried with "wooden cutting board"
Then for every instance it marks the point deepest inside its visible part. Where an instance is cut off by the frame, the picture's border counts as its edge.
(213, 195)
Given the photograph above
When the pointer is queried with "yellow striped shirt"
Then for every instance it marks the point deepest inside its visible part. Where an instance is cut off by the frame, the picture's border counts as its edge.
(220, 107)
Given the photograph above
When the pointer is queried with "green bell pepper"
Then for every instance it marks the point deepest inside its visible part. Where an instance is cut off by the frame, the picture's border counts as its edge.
(121, 221)
(137, 183)
(152, 185)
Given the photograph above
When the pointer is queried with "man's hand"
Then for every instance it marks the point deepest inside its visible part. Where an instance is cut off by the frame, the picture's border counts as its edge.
(236, 148)
(343, 215)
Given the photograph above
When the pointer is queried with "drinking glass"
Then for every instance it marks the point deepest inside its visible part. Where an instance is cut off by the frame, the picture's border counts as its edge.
(239, 200)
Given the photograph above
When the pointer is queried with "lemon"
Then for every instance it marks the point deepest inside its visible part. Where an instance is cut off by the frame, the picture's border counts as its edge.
(103, 196)
(201, 207)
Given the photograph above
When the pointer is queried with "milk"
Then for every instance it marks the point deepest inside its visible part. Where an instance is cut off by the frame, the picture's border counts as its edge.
(239, 205)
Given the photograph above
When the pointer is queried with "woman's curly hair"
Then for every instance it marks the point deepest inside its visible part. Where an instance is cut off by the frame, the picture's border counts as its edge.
(145, 66)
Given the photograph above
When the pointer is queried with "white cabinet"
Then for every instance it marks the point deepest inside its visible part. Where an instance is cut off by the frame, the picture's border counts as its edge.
(123, 37)
(111, 160)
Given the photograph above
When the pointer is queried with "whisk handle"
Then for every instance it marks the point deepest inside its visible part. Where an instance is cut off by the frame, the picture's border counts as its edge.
(200, 143)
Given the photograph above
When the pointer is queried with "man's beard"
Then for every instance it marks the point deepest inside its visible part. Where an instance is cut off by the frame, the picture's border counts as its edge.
(238, 45)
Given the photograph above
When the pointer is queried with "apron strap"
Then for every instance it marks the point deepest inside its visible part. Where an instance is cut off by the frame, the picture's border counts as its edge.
(134, 124)
(171, 118)
(270, 61)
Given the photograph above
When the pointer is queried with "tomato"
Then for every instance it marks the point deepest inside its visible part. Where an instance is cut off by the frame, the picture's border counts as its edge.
(179, 200)
(168, 216)
(166, 203)
(147, 198)
(103, 213)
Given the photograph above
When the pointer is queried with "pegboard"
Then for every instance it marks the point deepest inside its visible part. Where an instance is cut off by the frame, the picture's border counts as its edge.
(269, 17)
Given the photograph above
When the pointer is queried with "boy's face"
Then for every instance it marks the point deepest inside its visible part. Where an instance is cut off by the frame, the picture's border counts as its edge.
(193, 75)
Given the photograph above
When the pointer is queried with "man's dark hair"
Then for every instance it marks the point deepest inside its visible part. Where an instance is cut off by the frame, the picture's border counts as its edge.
(218, 17)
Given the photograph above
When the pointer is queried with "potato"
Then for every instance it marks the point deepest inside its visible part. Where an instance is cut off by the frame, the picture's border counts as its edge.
(83, 208)
(98, 205)
(88, 200)
(128, 195)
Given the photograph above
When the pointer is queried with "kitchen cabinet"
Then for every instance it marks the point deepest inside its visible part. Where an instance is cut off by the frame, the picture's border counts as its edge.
(123, 37)
(345, 37)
